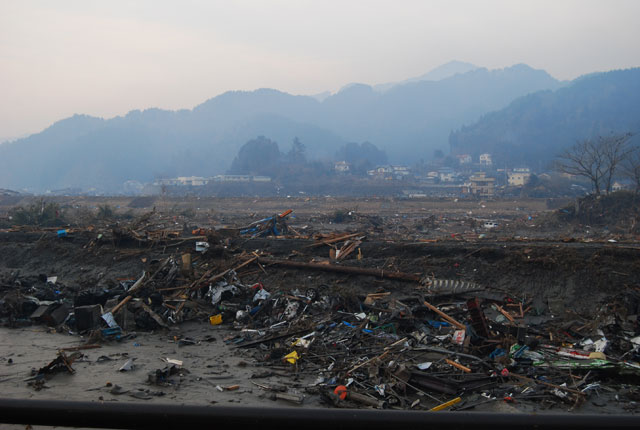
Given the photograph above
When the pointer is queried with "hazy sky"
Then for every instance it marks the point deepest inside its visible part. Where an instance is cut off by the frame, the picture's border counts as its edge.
(105, 58)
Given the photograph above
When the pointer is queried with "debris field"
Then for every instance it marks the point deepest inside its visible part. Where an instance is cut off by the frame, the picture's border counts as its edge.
(347, 317)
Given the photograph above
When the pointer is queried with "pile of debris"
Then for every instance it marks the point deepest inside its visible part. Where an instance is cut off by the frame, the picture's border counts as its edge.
(382, 351)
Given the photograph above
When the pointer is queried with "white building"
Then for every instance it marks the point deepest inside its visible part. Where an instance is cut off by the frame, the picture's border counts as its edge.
(400, 170)
(341, 166)
(232, 178)
(381, 172)
(464, 158)
(619, 186)
(485, 159)
(195, 181)
(518, 177)
(446, 174)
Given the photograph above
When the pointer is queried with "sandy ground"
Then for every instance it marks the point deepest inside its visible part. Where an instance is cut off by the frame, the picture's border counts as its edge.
(206, 366)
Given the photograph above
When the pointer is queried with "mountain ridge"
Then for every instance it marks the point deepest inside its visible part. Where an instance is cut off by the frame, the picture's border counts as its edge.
(408, 121)
(537, 126)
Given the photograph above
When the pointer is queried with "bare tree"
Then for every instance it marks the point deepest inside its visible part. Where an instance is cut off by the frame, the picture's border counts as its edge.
(631, 167)
(597, 160)
(616, 149)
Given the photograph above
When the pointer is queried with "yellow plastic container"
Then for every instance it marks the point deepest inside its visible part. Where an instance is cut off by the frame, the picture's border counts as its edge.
(292, 357)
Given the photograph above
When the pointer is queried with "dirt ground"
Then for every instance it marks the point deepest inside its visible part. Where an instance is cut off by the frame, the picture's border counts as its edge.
(582, 276)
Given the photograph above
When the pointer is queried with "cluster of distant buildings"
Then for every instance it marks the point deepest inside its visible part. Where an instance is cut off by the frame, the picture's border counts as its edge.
(478, 183)
(380, 172)
(484, 159)
(480, 178)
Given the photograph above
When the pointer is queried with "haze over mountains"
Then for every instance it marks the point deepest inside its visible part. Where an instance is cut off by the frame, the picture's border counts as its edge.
(533, 115)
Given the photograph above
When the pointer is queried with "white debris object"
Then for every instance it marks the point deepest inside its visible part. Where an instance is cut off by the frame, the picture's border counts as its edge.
(202, 246)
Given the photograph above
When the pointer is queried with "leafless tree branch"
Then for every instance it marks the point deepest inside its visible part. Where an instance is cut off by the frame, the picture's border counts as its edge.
(597, 160)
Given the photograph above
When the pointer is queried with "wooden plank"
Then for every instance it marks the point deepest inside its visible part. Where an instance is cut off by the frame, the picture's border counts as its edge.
(445, 316)
(458, 365)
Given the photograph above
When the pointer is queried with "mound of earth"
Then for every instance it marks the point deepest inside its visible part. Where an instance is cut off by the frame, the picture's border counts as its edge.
(618, 212)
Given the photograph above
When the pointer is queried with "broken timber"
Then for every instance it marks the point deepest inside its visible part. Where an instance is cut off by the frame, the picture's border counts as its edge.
(333, 240)
(197, 284)
(445, 316)
(138, 284)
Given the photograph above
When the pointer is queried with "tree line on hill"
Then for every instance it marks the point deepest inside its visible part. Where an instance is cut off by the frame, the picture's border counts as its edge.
(262, 156)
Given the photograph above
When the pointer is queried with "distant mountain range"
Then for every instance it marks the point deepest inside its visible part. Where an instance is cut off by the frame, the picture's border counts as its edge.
(535, 128)
(408, 120)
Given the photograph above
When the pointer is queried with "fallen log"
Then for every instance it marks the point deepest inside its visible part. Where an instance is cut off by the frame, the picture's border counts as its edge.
(381, 273)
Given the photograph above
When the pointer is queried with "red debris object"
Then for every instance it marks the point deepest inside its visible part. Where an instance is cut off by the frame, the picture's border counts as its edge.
(341, 391)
